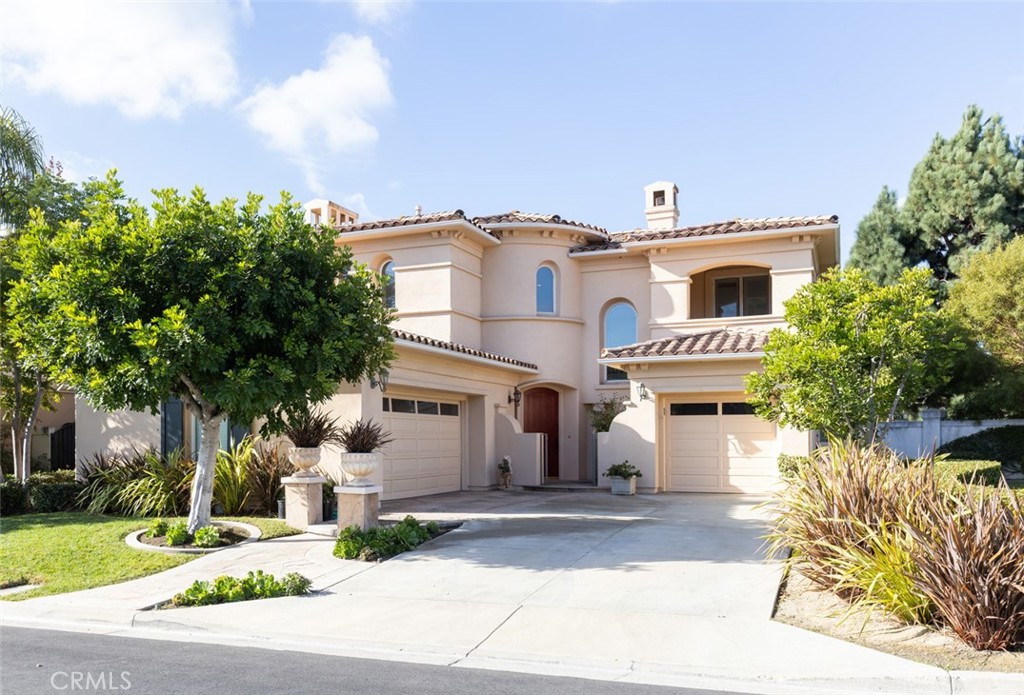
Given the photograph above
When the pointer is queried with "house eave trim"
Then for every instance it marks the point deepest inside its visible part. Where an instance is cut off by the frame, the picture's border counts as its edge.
(341, 236)
(442, 352)
(612, 361)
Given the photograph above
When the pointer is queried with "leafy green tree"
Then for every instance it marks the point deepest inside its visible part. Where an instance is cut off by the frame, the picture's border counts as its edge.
(879, 247)
(989, 300)
(857, 356)
(237, 312)
(965, 195)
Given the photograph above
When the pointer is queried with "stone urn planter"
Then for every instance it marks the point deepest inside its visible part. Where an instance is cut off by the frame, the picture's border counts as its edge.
(304, 458)
(359, 467)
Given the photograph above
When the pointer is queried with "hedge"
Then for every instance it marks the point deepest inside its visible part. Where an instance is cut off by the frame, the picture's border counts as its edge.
(967, 471)
(1002, 444)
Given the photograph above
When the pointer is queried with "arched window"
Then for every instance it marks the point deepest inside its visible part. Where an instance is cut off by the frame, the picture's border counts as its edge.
(388, 271)
(545, 290)
(619, 329)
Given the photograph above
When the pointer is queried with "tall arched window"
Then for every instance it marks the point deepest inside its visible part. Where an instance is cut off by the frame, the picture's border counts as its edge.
(388, 271)
(619, 329)
(545, 290)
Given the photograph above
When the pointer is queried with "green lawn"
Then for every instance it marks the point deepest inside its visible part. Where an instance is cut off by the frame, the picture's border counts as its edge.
(70, 551)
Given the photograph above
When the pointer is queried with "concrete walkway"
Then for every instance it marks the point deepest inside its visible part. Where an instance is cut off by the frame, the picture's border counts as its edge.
(665, 589)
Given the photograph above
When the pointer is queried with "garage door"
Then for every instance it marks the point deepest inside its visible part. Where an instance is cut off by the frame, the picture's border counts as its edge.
(425, 457)
(720, 446)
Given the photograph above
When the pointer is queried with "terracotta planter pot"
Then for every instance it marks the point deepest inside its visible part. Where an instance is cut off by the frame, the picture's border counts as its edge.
(304, 458)
(359, 467)
(623, 486)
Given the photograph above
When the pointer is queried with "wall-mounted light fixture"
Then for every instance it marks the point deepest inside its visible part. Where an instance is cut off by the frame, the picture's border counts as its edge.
(644, 394)
(380, 381)
(516, 397)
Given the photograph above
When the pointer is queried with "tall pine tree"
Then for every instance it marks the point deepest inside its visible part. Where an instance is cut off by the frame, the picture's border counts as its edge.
(879, 248)
(966, 194)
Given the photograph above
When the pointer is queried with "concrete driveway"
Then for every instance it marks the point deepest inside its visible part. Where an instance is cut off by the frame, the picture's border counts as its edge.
(666, 589)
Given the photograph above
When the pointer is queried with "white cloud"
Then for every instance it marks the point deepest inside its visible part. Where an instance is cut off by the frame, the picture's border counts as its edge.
(357, 203)
(146, 58)
(78, 167)
(326, 111)
(380, 11)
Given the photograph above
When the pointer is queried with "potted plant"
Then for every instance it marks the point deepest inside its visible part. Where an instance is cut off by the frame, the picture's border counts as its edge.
(362, 440)
(623, 478)
(309, 430)
(505, 473)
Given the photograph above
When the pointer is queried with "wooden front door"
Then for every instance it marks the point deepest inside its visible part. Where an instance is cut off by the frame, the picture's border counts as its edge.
(540, 414)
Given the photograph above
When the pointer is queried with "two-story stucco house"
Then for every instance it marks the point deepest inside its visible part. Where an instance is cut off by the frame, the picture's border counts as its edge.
(509, 326)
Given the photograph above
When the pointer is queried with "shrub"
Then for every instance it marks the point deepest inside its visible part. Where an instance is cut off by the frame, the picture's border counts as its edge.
(206, 537)
(156, 529)
(266, 467)
(969, 564)
(13, 497)
(177, 533)
(53, 497)
(65, 475)
(603, 412)
(255, 585)
(384, 541)
(976, 472)
(231, 477)
(789, 465)
(623, 470)
(1003, 444)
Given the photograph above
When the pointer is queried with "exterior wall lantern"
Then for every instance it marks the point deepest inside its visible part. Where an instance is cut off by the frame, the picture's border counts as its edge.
(516, 397)
(381, 380)
(644, 394)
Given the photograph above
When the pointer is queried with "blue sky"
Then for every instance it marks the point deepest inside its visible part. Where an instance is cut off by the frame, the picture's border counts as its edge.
(752, 109)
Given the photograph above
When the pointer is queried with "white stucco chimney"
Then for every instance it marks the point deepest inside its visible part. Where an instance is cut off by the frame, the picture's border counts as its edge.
(660, 205)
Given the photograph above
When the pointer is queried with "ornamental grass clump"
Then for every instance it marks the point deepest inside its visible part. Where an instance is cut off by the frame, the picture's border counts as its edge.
(363, 437)
(842, 517)
(969, 561)
(309, 429)
(231, 477)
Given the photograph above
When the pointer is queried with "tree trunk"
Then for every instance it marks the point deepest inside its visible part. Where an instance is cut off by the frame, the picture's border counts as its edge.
(202, 484)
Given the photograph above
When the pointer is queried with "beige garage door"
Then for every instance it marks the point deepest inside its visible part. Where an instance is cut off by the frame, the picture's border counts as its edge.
(425, 457)
(720, 446)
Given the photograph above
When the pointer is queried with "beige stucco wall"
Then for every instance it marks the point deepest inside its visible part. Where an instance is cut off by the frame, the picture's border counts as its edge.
(124, 431)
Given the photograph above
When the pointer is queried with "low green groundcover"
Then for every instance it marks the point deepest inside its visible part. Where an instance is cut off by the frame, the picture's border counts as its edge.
(969, 471)
(255, 585)
(384, 541)
(71, 551)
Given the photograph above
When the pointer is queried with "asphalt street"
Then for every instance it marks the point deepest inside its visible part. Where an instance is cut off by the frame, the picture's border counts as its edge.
(48, 661)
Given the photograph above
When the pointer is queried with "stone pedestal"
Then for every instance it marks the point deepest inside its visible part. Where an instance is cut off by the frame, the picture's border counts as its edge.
(358, 506)
(303, 500)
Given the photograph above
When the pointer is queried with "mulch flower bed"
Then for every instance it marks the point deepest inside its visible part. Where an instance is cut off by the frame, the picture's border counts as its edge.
(229, 535)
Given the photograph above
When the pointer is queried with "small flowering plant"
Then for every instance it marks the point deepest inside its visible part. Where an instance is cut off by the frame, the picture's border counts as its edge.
(505, 465)
(623, 470)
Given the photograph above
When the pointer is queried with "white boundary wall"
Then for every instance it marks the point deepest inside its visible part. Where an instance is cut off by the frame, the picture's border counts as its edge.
(914, 438)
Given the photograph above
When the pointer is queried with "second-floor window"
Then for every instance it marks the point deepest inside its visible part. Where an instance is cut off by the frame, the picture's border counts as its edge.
(545, 290)
(388, 271)
(619, 329)
(748, 295)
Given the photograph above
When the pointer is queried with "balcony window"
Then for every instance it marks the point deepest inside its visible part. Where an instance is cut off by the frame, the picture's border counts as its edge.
(749, 295)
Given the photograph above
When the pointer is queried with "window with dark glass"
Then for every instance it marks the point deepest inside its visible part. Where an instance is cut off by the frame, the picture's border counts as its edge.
(684, 409)
(545, 290)
(388, 271)
(737, 409)
(619, 330)
(742, 296)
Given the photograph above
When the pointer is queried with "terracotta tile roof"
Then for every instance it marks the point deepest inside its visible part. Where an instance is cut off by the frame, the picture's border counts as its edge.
(737, 226)
(721, 341)
(535, 218)
(445, 216)
(456, 347)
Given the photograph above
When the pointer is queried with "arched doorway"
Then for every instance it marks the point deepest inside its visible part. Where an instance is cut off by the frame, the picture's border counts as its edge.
(540, 414)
